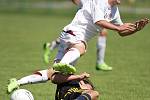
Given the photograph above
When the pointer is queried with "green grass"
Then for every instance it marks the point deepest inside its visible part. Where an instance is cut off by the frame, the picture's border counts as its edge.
(21, 40)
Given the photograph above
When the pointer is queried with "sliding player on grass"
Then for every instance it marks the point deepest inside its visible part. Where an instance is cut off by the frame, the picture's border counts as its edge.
(69, 87)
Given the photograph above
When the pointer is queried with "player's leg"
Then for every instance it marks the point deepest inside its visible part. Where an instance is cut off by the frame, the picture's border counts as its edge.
(48, 48)
(62, 67)
(36, 77)
(72, 54)
(101, 46)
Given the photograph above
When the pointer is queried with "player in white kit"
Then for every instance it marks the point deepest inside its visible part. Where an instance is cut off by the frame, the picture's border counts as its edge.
(101, 45)
(88, 21)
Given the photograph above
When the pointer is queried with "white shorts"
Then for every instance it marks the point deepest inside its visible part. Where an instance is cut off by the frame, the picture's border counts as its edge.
(71, 37)
(66, 41)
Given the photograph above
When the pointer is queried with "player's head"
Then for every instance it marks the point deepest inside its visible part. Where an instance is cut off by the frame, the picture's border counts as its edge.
(89, 84)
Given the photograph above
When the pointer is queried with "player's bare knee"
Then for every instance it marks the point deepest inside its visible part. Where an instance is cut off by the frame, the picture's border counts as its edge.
(82, 51)
(50, 73)
(81, 47)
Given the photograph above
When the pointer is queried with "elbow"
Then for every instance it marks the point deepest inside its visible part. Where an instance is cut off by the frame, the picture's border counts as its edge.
(53, 80)
(58, 78)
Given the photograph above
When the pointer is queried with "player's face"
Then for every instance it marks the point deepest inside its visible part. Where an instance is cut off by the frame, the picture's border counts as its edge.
(89, 86)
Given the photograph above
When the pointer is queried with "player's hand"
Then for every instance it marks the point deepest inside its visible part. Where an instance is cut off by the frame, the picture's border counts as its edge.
(140, 24)
(137, 26)
(127, 26)
(126, 29)
(84, 75)
(84, 86)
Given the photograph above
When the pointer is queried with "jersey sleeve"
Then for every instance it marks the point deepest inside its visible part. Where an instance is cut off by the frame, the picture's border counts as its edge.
(117, 20)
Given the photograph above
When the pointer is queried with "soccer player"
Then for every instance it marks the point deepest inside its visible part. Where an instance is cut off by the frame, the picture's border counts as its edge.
(89, 20)
(101, 45)
(74, 88)
(69, 87)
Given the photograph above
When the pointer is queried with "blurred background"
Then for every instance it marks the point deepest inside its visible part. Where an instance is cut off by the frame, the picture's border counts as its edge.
(25, 25)
(47, 6)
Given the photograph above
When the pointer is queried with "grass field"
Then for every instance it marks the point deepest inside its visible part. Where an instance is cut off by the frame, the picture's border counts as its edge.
(21, 40)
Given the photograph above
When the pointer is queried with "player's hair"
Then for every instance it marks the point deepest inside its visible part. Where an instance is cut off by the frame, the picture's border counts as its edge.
(87, 81)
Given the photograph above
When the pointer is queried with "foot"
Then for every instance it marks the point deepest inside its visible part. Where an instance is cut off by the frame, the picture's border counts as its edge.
(12, 85)
(64, 68)
(47, 53)
(103, 67)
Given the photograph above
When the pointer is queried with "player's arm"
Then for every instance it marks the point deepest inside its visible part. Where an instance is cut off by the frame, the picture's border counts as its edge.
(128, 27)
(139, 25)
(60, 78)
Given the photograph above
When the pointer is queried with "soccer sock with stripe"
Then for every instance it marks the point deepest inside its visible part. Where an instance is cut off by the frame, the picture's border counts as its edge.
(39, 76)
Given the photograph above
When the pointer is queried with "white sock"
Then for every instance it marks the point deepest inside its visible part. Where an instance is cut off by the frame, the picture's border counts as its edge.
(41, 76)
(74, 62)
(71, 56)
(101, 45)
(54, 44)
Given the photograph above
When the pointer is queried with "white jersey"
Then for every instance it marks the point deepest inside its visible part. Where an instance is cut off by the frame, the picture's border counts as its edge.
(81, 3)
(83, 25)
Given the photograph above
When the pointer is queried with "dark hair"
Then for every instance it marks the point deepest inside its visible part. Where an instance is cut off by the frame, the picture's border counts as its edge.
(87, 81)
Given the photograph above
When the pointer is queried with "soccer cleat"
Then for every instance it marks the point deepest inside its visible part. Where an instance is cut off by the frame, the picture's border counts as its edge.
(64, 68)
(12, 85)
(47, 52)
(103, 67)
